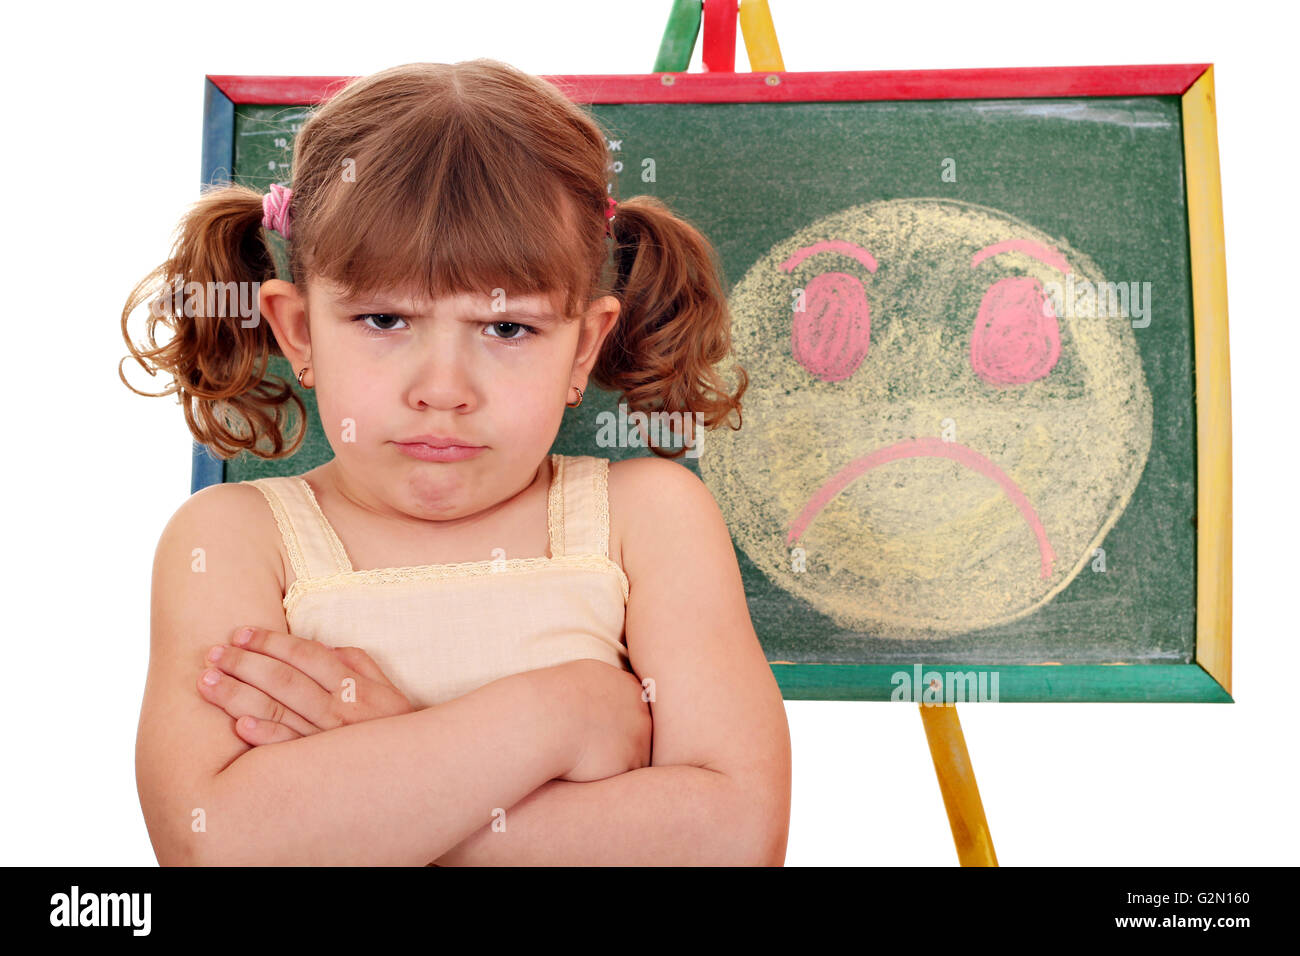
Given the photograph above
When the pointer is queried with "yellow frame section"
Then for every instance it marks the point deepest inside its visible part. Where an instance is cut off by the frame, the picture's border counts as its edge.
(1213, 398)
(760, 37)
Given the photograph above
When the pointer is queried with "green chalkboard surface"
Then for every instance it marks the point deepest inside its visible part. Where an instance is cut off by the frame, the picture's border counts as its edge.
(969, 438)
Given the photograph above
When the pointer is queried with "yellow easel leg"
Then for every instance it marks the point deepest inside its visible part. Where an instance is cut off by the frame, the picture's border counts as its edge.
(760, 37)
(961, 795)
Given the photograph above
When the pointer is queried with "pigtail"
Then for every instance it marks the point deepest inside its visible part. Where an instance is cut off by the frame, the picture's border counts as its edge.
(674, 327)
(217, 355)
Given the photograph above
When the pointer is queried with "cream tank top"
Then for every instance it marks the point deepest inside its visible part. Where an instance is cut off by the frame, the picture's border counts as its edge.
(442, 630)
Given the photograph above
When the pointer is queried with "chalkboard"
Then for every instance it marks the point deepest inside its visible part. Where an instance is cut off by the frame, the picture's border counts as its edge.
(965, 301)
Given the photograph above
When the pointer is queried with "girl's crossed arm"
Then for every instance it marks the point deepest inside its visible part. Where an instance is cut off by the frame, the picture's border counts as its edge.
(718, 787)
(390, 791)
(717, 791)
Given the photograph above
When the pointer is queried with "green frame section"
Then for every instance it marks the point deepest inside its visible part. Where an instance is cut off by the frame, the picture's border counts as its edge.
(1019, 684)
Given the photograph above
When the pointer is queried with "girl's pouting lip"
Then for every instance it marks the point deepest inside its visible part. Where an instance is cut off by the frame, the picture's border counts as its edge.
(430, 452)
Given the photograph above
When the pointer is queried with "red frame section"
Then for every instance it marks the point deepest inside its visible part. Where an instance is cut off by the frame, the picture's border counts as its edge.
(719, 51)
(789, 87)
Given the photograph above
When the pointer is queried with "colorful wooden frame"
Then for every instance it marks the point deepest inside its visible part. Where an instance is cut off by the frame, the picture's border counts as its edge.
(1209, 676)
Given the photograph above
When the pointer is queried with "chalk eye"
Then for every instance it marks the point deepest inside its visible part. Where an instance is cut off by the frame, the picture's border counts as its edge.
(1017, 338)
(831, 335)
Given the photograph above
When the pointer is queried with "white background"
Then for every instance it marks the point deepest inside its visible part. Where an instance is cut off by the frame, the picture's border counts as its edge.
(102, 126)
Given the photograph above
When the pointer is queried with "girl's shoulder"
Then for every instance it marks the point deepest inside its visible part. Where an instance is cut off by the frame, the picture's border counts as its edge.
(238, 511)
(652, 497)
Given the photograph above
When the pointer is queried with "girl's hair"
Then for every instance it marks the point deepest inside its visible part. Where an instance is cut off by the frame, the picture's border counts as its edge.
(440, 179)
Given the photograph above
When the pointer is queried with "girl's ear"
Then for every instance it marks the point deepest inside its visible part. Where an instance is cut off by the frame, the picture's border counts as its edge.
(597, 322)
(286, 311)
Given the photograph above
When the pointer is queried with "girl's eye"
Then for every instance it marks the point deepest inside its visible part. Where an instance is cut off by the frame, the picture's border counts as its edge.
(510, 327)
(382, 317)
(506, 330)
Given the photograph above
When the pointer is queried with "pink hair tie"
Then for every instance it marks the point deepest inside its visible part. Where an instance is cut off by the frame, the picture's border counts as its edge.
(609, 213)
(275, 209)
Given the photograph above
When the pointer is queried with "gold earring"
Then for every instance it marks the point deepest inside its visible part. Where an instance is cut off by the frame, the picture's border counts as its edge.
(578, 402)
(300, 371)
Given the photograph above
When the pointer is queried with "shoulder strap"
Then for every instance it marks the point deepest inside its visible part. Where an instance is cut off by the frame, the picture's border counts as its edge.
(579, 513)
(314, 549)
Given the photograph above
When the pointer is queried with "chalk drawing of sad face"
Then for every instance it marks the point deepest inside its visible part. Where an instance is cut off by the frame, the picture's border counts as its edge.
(942, 438)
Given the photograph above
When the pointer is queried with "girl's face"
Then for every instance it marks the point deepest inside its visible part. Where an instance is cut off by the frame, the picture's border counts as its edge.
(391, 368)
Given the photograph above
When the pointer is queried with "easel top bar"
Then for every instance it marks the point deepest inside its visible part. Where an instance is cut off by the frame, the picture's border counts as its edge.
(1171, 79)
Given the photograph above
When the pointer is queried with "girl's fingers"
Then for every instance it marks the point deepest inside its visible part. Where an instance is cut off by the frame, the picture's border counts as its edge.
(282, 682)
(259, 732)
(312, 658)
(359, 661)
(240, 700)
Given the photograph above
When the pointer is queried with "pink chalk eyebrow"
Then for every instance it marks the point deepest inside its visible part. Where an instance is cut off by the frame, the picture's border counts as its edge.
(1044, 254)
(832, 245)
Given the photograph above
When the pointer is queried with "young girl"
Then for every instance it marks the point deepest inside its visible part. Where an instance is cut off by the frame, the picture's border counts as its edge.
(549, 658)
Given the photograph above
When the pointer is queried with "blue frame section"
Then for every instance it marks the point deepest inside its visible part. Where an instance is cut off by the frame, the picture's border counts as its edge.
(205, 469)
(217, 164)
(218, 135)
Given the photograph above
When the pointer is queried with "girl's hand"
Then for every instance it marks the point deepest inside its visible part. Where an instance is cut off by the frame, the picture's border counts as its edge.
(618, 728)
(279, 687)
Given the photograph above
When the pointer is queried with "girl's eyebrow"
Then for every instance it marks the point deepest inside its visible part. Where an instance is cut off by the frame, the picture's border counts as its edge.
(523, 314)
(475, 311)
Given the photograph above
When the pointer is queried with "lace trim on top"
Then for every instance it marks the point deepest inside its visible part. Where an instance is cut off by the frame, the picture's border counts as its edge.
(342, 562)
(287, 533)
(310, 554)
(437, 572)
(555, 507)
(308, 580)
(602, 506)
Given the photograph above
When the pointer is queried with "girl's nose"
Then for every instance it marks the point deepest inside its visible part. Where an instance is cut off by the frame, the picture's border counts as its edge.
(442, 381)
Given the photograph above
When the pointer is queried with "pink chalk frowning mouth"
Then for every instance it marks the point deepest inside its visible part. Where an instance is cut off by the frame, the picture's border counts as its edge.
(927, 448)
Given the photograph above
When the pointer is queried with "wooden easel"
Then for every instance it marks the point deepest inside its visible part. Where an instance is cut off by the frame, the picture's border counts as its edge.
(961, 796)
